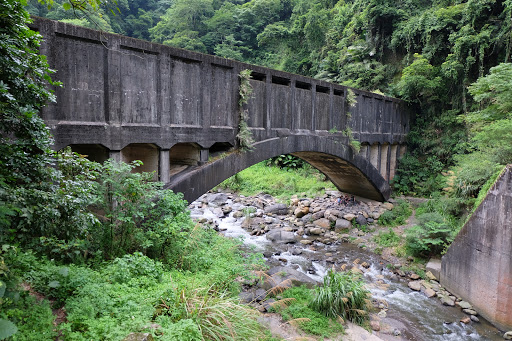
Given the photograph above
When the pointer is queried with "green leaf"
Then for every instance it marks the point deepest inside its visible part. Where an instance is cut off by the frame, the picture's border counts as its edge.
(66, 6)
(64, 271)
(3, 286)
(7, 329)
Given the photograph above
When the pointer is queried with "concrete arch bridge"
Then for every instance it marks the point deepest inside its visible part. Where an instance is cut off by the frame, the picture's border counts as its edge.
(178, 111)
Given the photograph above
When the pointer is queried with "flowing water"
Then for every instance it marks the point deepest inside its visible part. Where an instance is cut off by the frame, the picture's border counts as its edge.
(412, 313)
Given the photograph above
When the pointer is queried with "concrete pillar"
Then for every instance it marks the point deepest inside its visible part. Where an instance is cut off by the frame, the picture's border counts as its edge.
(164, 172)
(403, 149)
(204, 154)
(115, 154)
(365, 151)
(393, 161)
(374, 155)
(384, 150)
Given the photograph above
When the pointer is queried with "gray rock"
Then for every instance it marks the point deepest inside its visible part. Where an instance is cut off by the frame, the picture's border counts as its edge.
(281, 236)
(470, 311)
(260, 295)
(361, 220)
(318, 215)
(434, 266)
(316, 231)
(465, 305)
(474, 318)
(218, 212)
(279, 209)
(447, 301)
(342, 224)
(218, 199)
(324, 223)
(281, 277)
(508, 335)
(246, 296)
(296, 251)
(414, 285)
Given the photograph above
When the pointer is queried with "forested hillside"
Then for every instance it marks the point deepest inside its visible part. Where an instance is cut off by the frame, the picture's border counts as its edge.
(426, 52)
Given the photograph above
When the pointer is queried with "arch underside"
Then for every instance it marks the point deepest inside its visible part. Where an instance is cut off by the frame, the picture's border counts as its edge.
(349, 172)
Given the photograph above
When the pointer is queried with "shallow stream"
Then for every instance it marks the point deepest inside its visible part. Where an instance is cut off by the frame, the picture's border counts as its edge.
(415, 316)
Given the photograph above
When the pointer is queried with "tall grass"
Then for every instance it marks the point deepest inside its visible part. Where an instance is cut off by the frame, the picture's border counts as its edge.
(342, 295)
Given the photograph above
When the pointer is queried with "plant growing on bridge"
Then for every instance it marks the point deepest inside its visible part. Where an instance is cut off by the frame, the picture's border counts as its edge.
(351, 102)
(244, 136)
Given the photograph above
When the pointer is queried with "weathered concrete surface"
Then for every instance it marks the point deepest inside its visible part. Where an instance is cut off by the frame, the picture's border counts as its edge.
(348, 171)
(478, 264)
(176, 107)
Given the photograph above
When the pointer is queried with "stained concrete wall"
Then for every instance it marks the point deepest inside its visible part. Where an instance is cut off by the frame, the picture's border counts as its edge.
(119, 91)
(478, 264)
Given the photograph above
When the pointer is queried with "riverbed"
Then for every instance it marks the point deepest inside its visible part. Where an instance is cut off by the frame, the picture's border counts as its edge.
(403, 314)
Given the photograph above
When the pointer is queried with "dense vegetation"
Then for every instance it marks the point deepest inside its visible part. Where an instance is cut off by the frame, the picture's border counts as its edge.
(103, 242)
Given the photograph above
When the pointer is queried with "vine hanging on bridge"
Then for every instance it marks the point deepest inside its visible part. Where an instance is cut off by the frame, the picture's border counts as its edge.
(244, 136)
(351, 101)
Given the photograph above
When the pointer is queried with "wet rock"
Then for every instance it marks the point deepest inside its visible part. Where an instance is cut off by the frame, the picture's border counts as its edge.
(397, 332)
(259, 295)
(465, 305)
(429, 292)
(301, 211)
(375, 325)
(227, 209)
(238, 214)
(415, 285)
(447, 301)
(382, 314)
(285, 277)
(267, 304)
(279, 209)
(470, 311)
(218, 212)
(508, 335)
(306, 242)
(296, 251)
(280, 236)
(307, 218)
(465, 320)
(474, 318)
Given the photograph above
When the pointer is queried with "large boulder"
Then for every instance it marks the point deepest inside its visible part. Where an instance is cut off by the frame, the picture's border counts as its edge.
(342, 224)
(279, 209)
(281, 236)
(282, 277)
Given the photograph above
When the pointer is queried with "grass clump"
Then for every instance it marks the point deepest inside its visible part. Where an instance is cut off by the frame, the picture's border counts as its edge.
(278, 182)
(397, 216)
(388, 239)
(296, 311)
(342, 295)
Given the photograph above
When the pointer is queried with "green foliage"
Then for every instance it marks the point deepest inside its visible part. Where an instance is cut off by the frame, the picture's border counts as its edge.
(277, 182)
(431, 237)
(286, 161)
(137, 215)
(397, 216)
(388, 239)
(344, 295)
(244, 136)
(295, 309)
(121, 270)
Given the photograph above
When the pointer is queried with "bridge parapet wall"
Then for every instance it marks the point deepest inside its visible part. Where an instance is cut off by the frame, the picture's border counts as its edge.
(130, 96)
(119, 90)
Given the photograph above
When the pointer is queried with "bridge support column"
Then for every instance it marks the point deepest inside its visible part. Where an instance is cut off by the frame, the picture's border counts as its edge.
(393, 161)
(384, 154)
(204, 154)
(115, 154)
(375, 155)
(164, 166)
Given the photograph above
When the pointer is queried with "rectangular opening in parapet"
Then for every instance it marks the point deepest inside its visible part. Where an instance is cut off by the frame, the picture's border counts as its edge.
(338, 92)
(302, 85)
(322, 89)
(280, 81)
(258, 76)
(136, 49)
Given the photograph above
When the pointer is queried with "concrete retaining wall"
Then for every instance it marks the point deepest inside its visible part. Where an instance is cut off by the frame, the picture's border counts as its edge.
(478, 264)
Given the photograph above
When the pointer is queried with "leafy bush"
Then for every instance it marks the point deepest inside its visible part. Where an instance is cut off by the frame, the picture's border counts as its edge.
(397, 216)
(388, 239)
(342, 294)
(431, 237)
(123, 269)
(286, 161)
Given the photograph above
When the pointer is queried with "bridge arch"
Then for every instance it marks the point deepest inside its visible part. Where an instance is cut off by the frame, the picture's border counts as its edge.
(348, 171)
